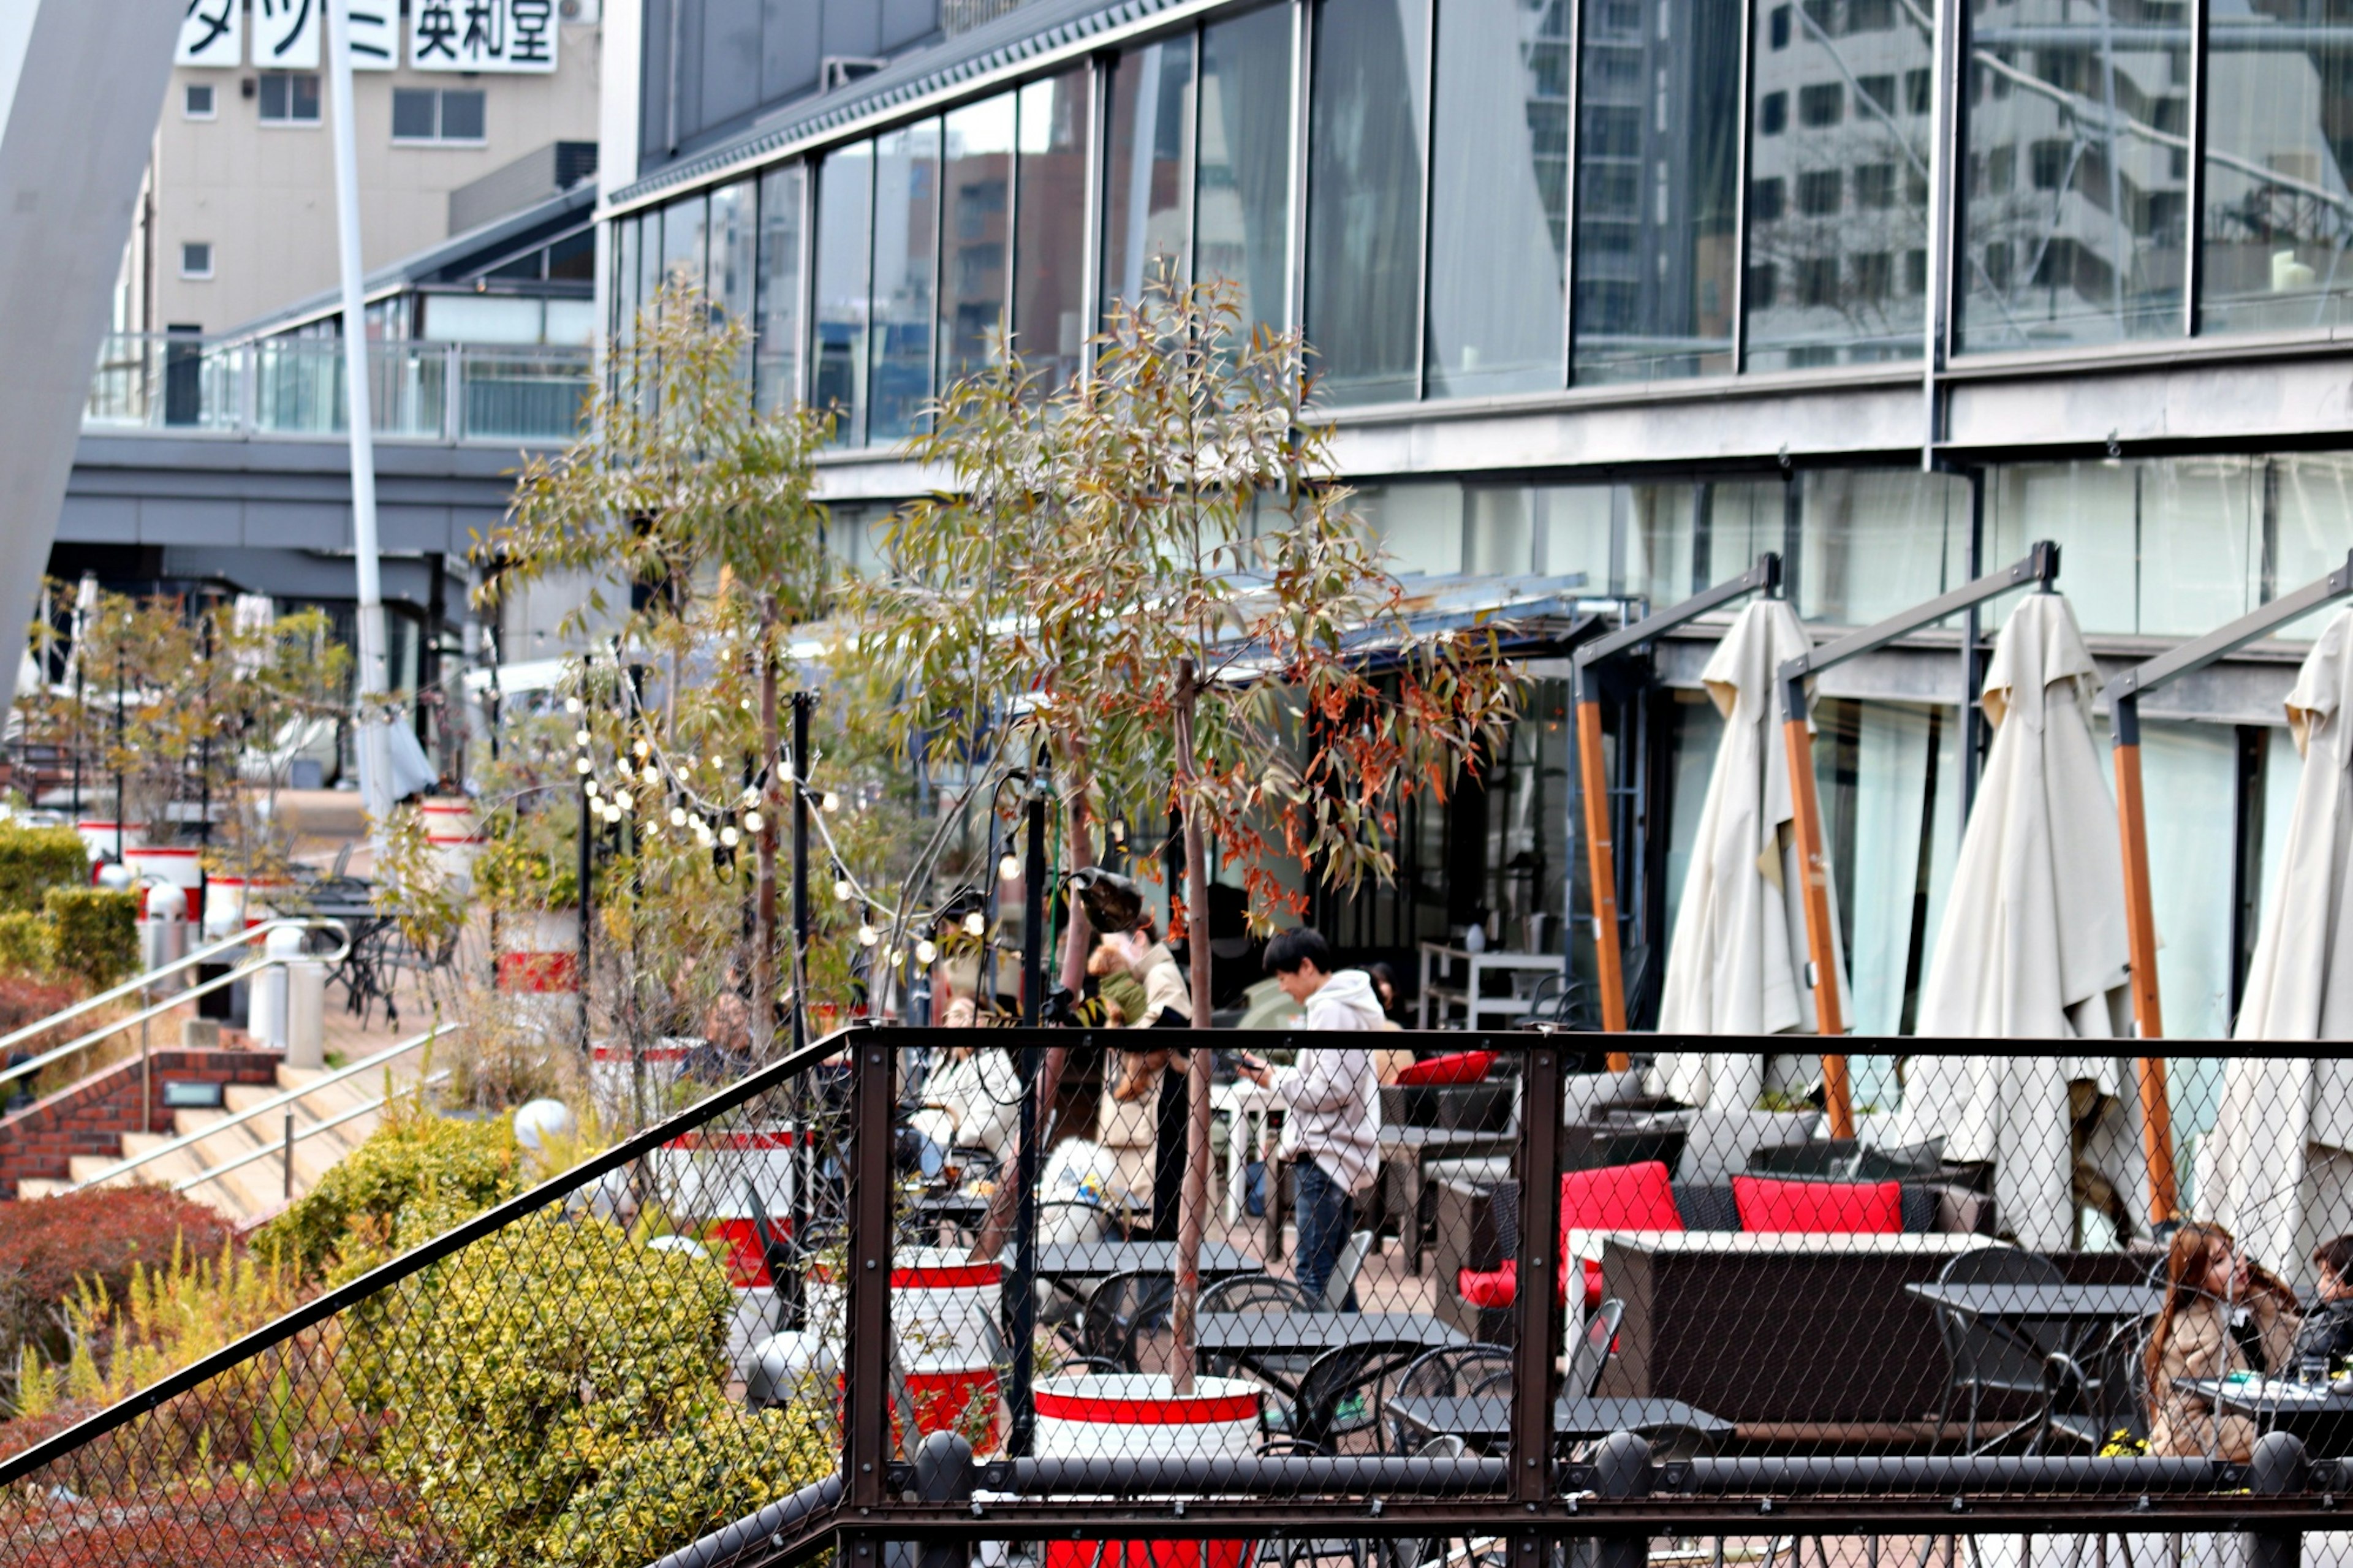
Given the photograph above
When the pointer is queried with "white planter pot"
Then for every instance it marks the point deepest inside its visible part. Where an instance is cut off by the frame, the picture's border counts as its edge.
(1140, 1416)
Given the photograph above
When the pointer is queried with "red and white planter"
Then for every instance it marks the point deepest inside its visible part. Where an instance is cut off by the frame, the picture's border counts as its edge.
(100, 839)
(944, 1309)
(173, 865)
(454, 836)
(613, 1076)
(708, 1175)
(1141, 1415)
(233, 904)
(540, 953)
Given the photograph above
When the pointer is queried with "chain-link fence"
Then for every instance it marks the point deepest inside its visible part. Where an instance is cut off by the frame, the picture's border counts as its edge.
(1070, 1299)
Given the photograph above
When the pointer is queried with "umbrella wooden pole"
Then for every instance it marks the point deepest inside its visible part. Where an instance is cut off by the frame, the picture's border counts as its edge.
(2140, 947)
(1814, 868)
(1601, 865)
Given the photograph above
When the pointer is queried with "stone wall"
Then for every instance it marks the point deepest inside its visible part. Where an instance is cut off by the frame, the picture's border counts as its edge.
(90, 1117)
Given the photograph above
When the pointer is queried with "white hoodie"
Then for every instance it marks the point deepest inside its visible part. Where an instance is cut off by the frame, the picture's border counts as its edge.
(1332, 1097)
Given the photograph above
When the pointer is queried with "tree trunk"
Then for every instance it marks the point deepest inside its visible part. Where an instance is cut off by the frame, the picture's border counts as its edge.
(764, 921)
(1194, 1207)
(1077, 934)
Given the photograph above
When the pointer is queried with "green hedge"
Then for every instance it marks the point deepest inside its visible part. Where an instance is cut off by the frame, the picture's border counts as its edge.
(35, 859)
(97, 932)
(416, 1175)
(28, 943)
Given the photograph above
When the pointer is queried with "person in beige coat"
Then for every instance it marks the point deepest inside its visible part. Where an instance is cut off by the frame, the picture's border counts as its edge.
(2212, 1294)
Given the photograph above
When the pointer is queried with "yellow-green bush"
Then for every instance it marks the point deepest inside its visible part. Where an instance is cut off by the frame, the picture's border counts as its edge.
(28, 943)
(416, 1175)
(544, 1362)
(661, 1495)
(35, 859)
(97, 931)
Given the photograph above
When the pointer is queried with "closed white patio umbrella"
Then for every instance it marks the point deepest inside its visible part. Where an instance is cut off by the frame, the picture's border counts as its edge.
(1737, 964)
(2278, 1166)
(2032, 945)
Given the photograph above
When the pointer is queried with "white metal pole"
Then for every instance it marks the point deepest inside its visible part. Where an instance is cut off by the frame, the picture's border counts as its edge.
(375, 751)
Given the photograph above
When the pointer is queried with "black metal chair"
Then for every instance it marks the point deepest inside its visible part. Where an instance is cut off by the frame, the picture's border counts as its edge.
(1345, 1393)
(1990, 1356)
(1590, 1353)
(1124, 1307)
(1450, 1372)
(1258, 1293)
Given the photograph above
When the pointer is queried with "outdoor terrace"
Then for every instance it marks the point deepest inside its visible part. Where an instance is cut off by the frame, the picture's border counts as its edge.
(792, 1317)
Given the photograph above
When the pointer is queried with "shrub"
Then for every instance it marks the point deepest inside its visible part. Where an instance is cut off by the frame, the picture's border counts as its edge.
(416, 1175)
(28, 943)
(97, 932)
(35, 859)
(537, 1370)
(661, 1495)
(98, 1236)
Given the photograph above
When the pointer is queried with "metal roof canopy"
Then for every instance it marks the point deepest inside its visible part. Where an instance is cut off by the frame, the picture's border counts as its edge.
(2039, 566)
(2124, 695)
(1600, 853)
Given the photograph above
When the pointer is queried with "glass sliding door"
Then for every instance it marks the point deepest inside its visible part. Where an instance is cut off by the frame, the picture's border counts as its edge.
(906, 257)
(776, 357)
(1369, 125)
(1145, 206)
(1049, 247)
(845, 216)
(1499, 198)
(976, 235)
(1241, 200)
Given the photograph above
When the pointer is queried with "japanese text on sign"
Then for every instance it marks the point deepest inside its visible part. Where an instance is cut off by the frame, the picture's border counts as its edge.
(514, 36)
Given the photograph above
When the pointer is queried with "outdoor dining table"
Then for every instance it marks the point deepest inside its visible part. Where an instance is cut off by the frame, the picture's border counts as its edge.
(1069, 1265)
(2021, 1306)
(2319, 1415)
(1483, 1422)
(1276, 1345)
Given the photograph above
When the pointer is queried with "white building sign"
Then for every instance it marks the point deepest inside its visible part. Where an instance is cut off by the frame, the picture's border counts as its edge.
(212, 33)
(376, 34)
(288, 34)
(511, 35)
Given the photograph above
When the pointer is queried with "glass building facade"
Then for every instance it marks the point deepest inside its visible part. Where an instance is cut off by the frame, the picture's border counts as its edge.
(1481, 211)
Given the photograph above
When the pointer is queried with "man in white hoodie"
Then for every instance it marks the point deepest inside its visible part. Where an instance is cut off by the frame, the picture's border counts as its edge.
(1332, 1100)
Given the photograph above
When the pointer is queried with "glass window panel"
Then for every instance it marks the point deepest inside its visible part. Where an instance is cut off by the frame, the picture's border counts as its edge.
(1050, 244)
(1658, 168)
(2308, 502)
(2279, 141)
(1575, 525)
(2075, 176)
(1151, 110)
(845, 211)
(2189, 777)
(686, 236)
(1242, 189)
(2166, 547)
(776, 357)
(1498, 533)
(734, 243)
(906, 252)
(1369, 121)
(649, 257)
(623, 324)
(1905, 788)
(1838, 202)
(1499, 213)
(1419, 525)
(2089, 509)
(1874, 541)
(975, 233)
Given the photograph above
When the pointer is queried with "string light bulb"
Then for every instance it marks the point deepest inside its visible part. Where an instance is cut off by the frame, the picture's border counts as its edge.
(1008, 868)
(927, 951)
(580, 737)
(975, 923)
(594, 788)
(582, 766)
(754, 822)
(728, 837)
(832, 801)
(868, 936)
(621, 798)
(842, 889)
(678, 816)
(572, 705)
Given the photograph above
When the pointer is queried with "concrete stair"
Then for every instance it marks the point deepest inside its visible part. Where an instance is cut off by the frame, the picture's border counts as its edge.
(258, 1189)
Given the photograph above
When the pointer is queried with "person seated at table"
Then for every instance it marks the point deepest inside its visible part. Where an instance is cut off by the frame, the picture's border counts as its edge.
(2222, 1313)
(1332, 1121)
(2327, 1332)
(972, 1101)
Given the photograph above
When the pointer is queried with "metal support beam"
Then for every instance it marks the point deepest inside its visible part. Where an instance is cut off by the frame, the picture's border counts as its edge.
(2123, 694)
(865, 1406)
(2040, 565)
(1535, 1306)
(1600, 852)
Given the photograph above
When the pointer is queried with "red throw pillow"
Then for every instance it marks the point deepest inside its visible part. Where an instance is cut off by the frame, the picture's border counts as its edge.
(1501, 1287)
(1850, 1208)
(1619, 1197)
(1462, 1066)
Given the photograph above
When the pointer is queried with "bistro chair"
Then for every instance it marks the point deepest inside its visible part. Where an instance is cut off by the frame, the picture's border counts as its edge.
(1258, 1293)
(1988, 1355)
(1120, 1310)
(1591, 1354)
(1345, 1269)
(1450, 1372)
(1342, 1394)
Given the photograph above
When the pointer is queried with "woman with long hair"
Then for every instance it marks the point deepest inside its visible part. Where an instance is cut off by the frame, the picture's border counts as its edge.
(2222, 1313)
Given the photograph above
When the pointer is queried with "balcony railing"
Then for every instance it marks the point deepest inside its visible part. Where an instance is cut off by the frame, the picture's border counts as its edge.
(184, 385)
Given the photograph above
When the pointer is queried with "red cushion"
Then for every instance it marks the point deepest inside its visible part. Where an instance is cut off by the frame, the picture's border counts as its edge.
(1462, 1066)
(1619, 1197)
(1874, 1208)
(1501, 1287)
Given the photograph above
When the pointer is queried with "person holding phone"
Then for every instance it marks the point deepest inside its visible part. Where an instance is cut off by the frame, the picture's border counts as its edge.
(1332, 1102)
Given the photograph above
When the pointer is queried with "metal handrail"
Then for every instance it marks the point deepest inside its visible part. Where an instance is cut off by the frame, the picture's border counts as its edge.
(275, 1102)
(32, 1065)
(215, 1173)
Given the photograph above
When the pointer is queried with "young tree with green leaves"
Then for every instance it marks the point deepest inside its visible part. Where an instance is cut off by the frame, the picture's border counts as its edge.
(1153, 575)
